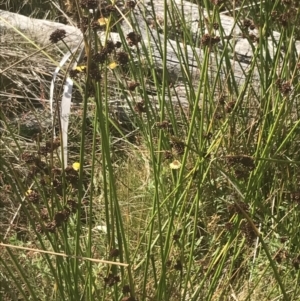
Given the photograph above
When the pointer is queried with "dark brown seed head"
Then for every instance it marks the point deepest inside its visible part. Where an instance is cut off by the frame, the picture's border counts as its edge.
(130, 4)
(133, 39)
(57, 35)
(126, 289)
(132, 86)
(122, 58)
(178, 266)
(89, 4)
(114, 253)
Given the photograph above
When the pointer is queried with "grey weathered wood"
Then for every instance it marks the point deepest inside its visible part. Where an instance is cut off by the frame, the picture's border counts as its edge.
(241, 49)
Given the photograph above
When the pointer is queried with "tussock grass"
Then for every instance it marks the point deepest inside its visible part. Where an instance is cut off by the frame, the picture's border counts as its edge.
(193, 201)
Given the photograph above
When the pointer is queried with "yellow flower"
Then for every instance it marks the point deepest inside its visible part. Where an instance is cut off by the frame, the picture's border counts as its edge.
(103, 21)
(80, 68)
(76, 166)
(175, 164)
(113, 65)
(28, 192)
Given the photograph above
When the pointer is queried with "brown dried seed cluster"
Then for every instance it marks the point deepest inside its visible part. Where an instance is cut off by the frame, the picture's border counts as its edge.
(57, 35)
(111, 279)
(140, 107)
(280, 256)
(130, 5)
(126, 289)
(59, 219)
(244, 160)
(178, 266)
(51, 145)
(177, 145)
(253, 38)
(72, 175)
(44, 214)
(132, 85)
(287, 15)
(216, 26)
(122, 58)
(248, 232)
(284, 87)
(94, 72)
(230, 106)
(89, 4)
(114, 253)
(296, 262)
(209, 41)
(33, 196)
(133, 39)
(164, 125)
(83, 24)
(168, 155)
(248, 24)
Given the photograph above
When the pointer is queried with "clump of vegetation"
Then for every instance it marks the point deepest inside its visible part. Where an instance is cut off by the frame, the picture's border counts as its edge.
(178, 187)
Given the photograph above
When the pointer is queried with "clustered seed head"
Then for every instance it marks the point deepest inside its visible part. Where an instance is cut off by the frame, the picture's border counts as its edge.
(72, 205)
(140, 107)
(50, 227)
(230, 106)
(111, 279)
(207, 135)
(33, 196)
(296, 262)
(244, 160)
(168, 155)
(109, 47)
(133, 39)
(216, 26)
(71, 175)
(94, 72)
(280, 256)
(122, 58)
(95, 25)
(164, 125)
(287, 14)
(59, 219)
(178, 266)
(284, 87)
(126, 289)
(89, 4)
(61, 216)
(100, 57)
(130, 4)
(51, 145)
(248, 231)
(209, 41)
(114, 253)
(57, 35)
(106, 10)
(44, 214)
(295, 197)
(73, 73)
(132, 85)
(83, 24)
(177, 145)
(249, 24)
(253, 38)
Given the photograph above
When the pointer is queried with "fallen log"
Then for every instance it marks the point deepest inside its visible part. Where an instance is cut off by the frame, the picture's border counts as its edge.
(148, 16)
